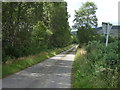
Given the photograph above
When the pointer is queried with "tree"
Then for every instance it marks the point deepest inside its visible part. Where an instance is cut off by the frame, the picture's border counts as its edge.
(18, 19)
(59, 25)
(40, 36)
(84, 35)
(85, 16)
(85, 20)
(30, 27)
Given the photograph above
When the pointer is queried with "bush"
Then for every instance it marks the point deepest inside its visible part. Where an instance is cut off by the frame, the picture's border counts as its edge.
(75, 39)
(110, 59)
(111, 39)
(84, 35)
(40, 34)
(100, 66)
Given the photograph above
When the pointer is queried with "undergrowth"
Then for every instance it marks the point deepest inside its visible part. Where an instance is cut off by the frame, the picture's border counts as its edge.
(15, 65)
(98, 67)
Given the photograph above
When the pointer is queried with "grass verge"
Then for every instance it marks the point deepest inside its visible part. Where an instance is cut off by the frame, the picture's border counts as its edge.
(96, 67)
(13, 66)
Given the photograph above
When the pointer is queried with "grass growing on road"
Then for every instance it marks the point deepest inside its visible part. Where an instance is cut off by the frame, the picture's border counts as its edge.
(13, 66)
(97, 67)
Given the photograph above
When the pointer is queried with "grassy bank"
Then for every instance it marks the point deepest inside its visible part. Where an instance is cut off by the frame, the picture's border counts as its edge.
(97, 67)
(13, 66)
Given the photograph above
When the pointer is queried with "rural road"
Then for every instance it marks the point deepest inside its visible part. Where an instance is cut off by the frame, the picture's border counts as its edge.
(54, 72)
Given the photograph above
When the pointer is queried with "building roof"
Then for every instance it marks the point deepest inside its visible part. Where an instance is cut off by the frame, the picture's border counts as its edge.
(113, 27)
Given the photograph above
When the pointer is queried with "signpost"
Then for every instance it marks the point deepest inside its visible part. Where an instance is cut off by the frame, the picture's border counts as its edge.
(106, 27)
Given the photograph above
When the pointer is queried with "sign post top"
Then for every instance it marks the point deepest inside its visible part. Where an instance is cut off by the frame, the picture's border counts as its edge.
(106, 27)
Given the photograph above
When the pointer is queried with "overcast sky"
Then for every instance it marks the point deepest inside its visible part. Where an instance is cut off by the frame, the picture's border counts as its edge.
(107, 10)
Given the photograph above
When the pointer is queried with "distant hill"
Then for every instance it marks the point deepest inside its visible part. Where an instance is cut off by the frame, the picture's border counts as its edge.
(115, 31)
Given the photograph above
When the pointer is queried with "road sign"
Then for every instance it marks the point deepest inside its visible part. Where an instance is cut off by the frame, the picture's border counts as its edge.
(106, 27)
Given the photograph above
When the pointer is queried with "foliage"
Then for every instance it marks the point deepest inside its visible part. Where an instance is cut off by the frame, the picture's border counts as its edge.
(40, 36)
(84, 35)
(31, 27)
(75, 39)
(85, 20)
(60, 26)
(17, 22)
(85, 16)
(13, 66)
(102, 38)
(99, 66)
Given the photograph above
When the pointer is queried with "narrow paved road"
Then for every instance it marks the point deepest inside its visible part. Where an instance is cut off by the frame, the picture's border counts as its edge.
(54, 72)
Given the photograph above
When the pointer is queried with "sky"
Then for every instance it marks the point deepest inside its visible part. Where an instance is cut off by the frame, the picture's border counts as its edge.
(107, 10)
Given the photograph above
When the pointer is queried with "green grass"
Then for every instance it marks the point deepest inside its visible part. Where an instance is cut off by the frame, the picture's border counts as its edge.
(13, 66)
(83, 73)
(92, 67)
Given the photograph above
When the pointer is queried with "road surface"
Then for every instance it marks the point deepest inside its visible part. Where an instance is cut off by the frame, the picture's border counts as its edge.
(54, 72)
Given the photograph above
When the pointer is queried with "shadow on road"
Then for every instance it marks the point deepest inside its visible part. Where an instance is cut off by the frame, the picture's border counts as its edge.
(51, 73)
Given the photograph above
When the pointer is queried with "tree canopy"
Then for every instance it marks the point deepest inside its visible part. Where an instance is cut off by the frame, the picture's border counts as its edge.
(30, 27)
(86, 16)
(85, 20)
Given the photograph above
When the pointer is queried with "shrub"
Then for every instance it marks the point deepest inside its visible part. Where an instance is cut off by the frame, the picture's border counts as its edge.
(100, 66)
(84, 35)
